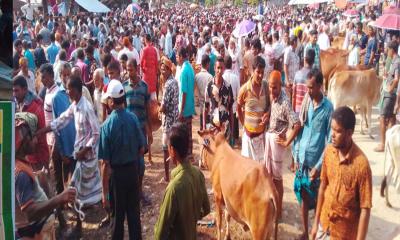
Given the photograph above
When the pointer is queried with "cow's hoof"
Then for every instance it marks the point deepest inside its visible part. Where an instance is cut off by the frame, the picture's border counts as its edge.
(389, 205)
(362, 133)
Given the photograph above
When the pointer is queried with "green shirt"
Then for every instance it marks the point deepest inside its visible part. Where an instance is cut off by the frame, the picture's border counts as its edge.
(185, 202)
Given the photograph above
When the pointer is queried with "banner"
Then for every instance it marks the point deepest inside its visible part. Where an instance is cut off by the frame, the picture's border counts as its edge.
(7, 161)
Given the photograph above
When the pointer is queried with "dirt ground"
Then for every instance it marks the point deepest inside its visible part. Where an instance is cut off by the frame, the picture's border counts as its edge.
(384, 224)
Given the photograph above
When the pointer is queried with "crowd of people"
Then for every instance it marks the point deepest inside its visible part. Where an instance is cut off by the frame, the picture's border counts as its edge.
(86, 87)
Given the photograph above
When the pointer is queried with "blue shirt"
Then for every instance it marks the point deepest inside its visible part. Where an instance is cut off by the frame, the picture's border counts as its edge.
(52, 52)
(372, 46)
(31, 62)
(65, 140)
(186, 85)
(311, 141)
(121, 138)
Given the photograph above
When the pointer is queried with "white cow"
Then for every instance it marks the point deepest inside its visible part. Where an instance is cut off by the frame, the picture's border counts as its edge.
(392, 162)
(356, 88)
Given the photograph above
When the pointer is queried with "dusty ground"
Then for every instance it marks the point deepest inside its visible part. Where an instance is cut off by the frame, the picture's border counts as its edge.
(384, 223)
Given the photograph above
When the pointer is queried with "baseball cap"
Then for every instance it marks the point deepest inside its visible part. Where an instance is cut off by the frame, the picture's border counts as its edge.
(114, 90)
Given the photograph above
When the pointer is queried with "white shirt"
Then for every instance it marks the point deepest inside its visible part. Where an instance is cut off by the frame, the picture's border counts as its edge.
(130, 54)
(30, 80)
(354, 56)
(233, 79)
(278, 49)
(48, 111)
(168, 44)
(28, 11)
(97, 104)
(323, 41)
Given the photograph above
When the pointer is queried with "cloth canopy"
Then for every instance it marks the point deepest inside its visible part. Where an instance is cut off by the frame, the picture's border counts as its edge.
(307, 2)
(93, 6)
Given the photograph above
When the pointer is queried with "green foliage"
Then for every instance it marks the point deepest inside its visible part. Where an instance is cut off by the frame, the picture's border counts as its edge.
(253, 2)
(238, 3)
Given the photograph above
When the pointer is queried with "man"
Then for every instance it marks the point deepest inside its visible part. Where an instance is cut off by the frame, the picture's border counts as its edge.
(290, 65)
(28, 74)
(92, 65)
(63, 160)
(387, 111)
(315, 118)
(52, 50)
(28, 10)
(283, 128)
(149, 65)
(185, 200)
(186, 93)
(44, 32)
(169, 108)
(98, 81)
(345, 194)
(323, 39)
(299, 84)
(218, 102)
(26, 101)
(257, 51)
(361, 36)
(314, 45)
(86, 177)
(39, 55)
(28, 55)
(233, 79)
(371, 49)
(84, 68)
(33, 209)
(16, 56)
(138, 102)
(121, 146)
(202, 79)
(246, 67)
(253, 107)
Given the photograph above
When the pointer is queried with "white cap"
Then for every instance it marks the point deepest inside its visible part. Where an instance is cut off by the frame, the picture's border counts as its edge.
(114, 90)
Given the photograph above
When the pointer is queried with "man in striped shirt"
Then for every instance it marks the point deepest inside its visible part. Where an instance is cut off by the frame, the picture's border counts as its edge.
(86, 177)
(253, 112)
(299, 85)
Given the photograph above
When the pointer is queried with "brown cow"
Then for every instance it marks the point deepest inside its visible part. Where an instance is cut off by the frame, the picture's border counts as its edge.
(240, 184)
(345, 67)
(330, 59)
(356, 88)
(337, 42)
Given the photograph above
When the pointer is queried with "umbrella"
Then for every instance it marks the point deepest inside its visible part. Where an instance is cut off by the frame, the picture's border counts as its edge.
(193, 6)
(388, 21)
(258, 17)
(313, 6)
(133, 7)
(391, 10)
(351, 13)
(244, 28)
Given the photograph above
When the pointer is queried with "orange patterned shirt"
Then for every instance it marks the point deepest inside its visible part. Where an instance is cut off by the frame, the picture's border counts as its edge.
(348, 190)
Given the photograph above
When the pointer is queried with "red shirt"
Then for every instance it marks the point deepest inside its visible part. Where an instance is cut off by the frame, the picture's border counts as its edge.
(149, 66)
(35, 106)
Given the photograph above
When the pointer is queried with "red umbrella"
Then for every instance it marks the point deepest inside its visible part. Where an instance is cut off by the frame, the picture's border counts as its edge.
(351, 13)
(391, 10)
(388, 21)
